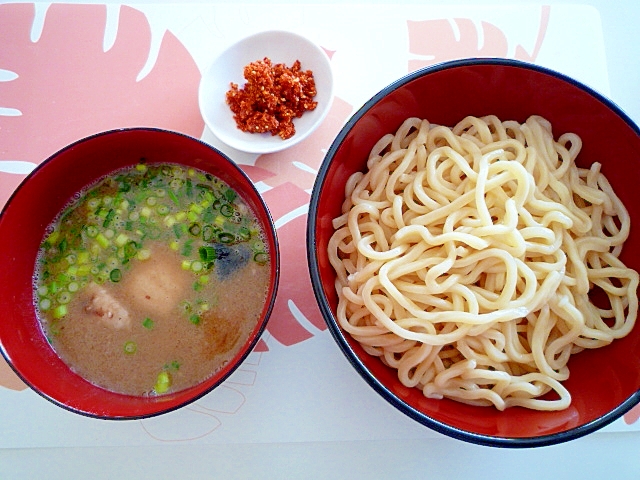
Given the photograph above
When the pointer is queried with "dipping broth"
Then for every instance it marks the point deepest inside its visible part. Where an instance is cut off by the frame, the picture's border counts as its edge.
(150, 280)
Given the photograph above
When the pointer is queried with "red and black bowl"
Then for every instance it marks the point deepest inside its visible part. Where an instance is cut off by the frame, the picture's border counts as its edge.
(30, 210)
(604, 383)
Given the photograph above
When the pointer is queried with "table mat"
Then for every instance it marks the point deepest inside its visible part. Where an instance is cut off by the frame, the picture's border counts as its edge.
(69, 70)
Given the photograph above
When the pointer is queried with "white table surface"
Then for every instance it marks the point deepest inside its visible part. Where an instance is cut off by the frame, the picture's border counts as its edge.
(608, 454)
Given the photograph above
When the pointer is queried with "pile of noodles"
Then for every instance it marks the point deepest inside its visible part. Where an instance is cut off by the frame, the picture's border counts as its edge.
(465, 257)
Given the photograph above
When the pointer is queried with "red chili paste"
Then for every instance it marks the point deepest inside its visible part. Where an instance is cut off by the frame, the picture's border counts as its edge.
(272, 97)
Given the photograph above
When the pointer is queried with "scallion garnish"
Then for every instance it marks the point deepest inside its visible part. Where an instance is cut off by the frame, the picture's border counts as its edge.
(208, 233)
(115, 275)
(148, 323)
(195, 229)
(226, 209)
(226, 237)
(130, 348)
(163, 382)
(261, 258)
(207, 253)
(108, 218)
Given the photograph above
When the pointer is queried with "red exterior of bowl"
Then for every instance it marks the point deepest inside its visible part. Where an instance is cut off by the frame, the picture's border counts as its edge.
(604, 383)
(32, 208)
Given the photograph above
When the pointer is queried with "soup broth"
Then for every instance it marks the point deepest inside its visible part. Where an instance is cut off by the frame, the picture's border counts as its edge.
(152, 279)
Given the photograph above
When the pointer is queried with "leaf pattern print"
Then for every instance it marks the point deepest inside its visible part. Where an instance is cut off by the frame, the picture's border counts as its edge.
(65, 85)
(291, 174)
(434, 41)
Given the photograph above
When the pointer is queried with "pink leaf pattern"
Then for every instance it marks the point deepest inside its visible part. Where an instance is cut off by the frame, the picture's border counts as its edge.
(632, 416)
(291, 174)
(68, 87)
(435, 41)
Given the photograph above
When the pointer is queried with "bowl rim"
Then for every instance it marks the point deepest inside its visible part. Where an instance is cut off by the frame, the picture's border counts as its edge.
(257, 334)
(249, 147)
(339, 335)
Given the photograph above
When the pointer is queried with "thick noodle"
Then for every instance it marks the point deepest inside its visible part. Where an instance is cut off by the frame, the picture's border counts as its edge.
(465, 258)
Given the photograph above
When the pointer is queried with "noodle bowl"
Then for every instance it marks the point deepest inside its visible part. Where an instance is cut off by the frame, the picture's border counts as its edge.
(466, 257)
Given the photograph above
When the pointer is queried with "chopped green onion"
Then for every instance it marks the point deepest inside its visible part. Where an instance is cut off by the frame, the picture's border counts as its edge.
(192, 216)
(207, 253)
(60, 311)
(177, 230)
(130, 249)
(62, 246)
(208, 233)
(226, 210)
(130, 348)
(115, 275)
(121, 239)
(93, 203)
(244, 233)
(261, 258)
(195, 208)
(109, 218)
(83, 270)
(186, 306)
(53, 287)
(162, 210)
(64, 297)
(170, 220)
(226, 237)
(102, 240)
(45, 304)
(173, 197)
(53, 237)
(84, 257)
(147, 323)
(230, 194)
(163, 382)
(195, 229)
(187, 248)
(195, 319)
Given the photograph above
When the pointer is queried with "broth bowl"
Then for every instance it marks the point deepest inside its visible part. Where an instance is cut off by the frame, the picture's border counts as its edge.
(34, 205)
(604, 383)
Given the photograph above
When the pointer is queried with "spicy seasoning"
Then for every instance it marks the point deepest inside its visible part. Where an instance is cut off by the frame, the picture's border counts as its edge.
(272, 97)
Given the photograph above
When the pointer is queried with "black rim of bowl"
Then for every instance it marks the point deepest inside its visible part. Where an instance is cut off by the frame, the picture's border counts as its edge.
(259, 333)
(338, 335)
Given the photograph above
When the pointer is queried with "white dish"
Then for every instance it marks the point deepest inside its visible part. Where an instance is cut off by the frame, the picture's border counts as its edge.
(280, 47)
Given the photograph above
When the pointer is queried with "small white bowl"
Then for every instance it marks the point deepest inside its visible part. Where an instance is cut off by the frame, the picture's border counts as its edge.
(280, 47)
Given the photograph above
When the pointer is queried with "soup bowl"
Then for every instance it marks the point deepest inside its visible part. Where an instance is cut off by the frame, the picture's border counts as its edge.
(604, 383)
(26, 216)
